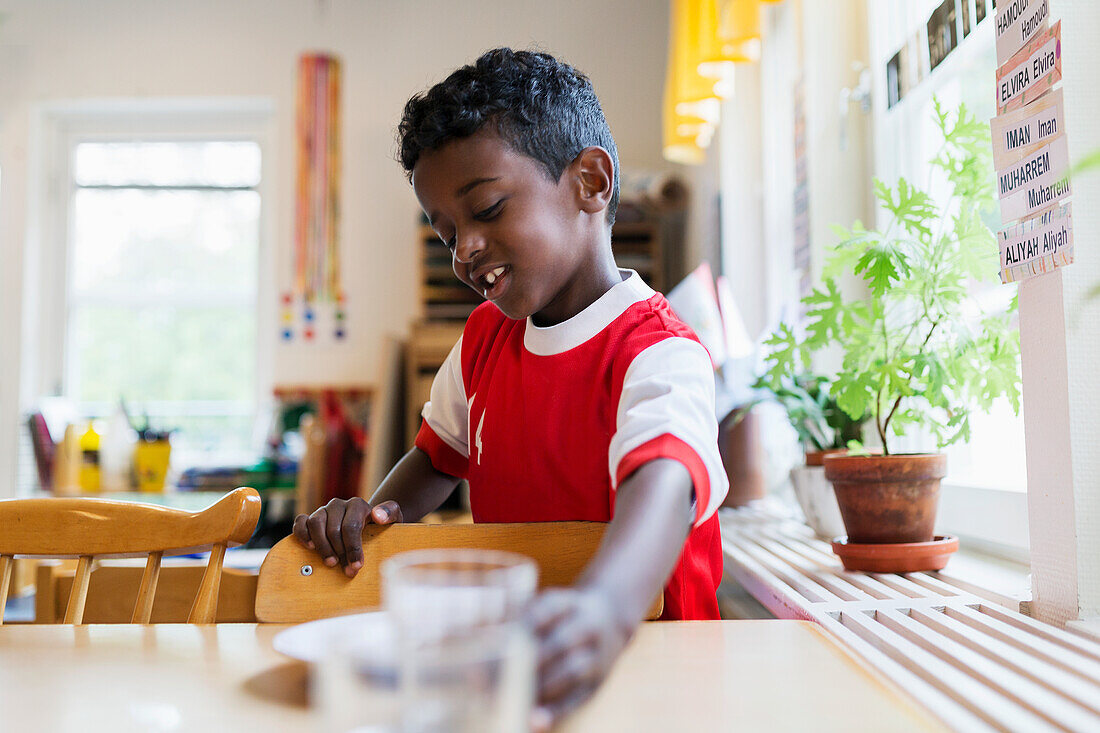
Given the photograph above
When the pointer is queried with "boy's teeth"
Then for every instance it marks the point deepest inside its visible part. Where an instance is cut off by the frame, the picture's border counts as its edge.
(490, 278)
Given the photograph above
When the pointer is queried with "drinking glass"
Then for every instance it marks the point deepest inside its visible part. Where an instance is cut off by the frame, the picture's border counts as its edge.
(466, 661)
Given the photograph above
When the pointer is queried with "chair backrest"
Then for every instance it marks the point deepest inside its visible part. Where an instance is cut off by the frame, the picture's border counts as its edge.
(114, 584)
(87, 528)
(294, 585)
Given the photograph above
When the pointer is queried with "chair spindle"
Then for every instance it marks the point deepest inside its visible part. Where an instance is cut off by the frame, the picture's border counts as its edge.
(74, 611)
(6, 562)
(143, 606)
(206, 601)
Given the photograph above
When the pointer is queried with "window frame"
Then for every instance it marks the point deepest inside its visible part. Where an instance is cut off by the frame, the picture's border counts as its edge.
(59, 128)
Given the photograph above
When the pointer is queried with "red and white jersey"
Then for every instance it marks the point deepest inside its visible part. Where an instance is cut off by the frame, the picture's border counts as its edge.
(545, 423)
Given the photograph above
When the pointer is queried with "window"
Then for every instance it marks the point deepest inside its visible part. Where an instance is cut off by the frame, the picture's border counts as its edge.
(149, 269)
(164, 240)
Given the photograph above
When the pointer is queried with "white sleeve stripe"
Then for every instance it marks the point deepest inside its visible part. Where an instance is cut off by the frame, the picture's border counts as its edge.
(669, 388)
(447, 412)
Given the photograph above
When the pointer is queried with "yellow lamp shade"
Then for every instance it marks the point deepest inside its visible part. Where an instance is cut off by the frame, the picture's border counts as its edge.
(685, 52)
(720, 43)
(683, 149)
(738, 20)
(686, 129)
(706, 39)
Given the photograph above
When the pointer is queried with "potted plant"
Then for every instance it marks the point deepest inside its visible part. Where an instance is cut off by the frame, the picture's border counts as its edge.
(917, 351)
(822, 427)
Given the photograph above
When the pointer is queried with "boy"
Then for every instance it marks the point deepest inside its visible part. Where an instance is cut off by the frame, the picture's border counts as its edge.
(574, 393)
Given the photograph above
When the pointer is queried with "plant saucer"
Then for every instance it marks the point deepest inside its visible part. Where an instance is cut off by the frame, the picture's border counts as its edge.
(899, 557)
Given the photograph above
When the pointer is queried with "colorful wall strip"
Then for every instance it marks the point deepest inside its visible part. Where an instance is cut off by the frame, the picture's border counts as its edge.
(316, 299)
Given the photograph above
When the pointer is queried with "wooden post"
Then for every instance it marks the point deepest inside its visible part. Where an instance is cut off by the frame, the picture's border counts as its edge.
(1060, 347)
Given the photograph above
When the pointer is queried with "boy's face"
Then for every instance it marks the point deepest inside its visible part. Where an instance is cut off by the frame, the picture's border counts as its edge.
(516, 236)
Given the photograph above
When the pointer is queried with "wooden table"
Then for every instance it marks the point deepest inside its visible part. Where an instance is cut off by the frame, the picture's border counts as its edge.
(704, 676)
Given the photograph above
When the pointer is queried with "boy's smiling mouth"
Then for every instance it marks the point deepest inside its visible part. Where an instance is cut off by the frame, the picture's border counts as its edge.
(491, 281)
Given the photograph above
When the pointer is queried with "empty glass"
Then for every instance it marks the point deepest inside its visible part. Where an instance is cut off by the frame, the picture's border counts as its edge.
(431, 593)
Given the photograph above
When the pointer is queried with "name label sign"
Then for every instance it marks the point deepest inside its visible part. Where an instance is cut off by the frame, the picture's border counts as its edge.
(1017, 23)
(1018, 133)
(1032, 71)
(1045, 165)
(1037, 245)
(1036, 182)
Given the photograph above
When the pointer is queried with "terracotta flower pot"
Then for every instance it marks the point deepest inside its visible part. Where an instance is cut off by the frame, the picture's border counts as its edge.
(742, 452)
(886, 499)
(817, 457)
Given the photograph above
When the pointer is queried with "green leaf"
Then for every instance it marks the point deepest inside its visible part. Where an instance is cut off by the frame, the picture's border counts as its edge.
(882, 265)
(782, 355)
(912, 207)
(1088, 163)
(825, 311)
(853, 243)
(855, 393)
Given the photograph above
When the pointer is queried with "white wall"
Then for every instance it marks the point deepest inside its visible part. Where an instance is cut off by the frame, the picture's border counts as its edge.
(821, 41)
(74, 50)
(825, 41)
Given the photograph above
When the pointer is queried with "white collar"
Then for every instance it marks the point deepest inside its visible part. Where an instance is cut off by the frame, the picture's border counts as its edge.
(574, 331)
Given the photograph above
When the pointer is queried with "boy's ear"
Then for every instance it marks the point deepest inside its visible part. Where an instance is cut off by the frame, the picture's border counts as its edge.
(594, 173)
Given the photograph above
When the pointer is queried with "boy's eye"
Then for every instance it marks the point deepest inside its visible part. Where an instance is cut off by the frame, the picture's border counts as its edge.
(448, 243)
(489, 213)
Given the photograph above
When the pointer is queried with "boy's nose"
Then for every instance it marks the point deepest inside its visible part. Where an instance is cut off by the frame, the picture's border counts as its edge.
(467, 246)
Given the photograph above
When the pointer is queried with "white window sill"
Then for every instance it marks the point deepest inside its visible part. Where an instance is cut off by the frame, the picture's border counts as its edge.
(997, 579)
(993, 570)
(1088, 628)
(949, 639)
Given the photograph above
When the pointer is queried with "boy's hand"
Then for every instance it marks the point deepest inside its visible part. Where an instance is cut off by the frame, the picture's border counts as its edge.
(579, 636)
(336, 530)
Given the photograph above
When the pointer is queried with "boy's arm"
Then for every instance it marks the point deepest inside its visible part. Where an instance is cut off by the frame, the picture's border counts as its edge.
(411, 489)
(581, 630)
(415, 485)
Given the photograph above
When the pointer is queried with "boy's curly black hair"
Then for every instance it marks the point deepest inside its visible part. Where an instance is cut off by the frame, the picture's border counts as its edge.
(540, 106)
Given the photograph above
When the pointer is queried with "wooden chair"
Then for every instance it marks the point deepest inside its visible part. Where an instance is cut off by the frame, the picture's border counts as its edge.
(295, 585)
(114, 584)
(89, 528)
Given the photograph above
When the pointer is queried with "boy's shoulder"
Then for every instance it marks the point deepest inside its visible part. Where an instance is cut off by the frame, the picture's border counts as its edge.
(654, 315)
(645, 324)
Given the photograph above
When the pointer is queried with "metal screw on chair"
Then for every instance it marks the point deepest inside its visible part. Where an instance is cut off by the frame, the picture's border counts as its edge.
(307, 570)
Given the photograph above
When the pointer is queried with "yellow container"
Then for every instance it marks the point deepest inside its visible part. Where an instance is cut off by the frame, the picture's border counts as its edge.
(151, 464)
(89, 460)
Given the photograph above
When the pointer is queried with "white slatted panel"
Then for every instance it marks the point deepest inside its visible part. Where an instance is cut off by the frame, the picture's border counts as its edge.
(976, 665)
